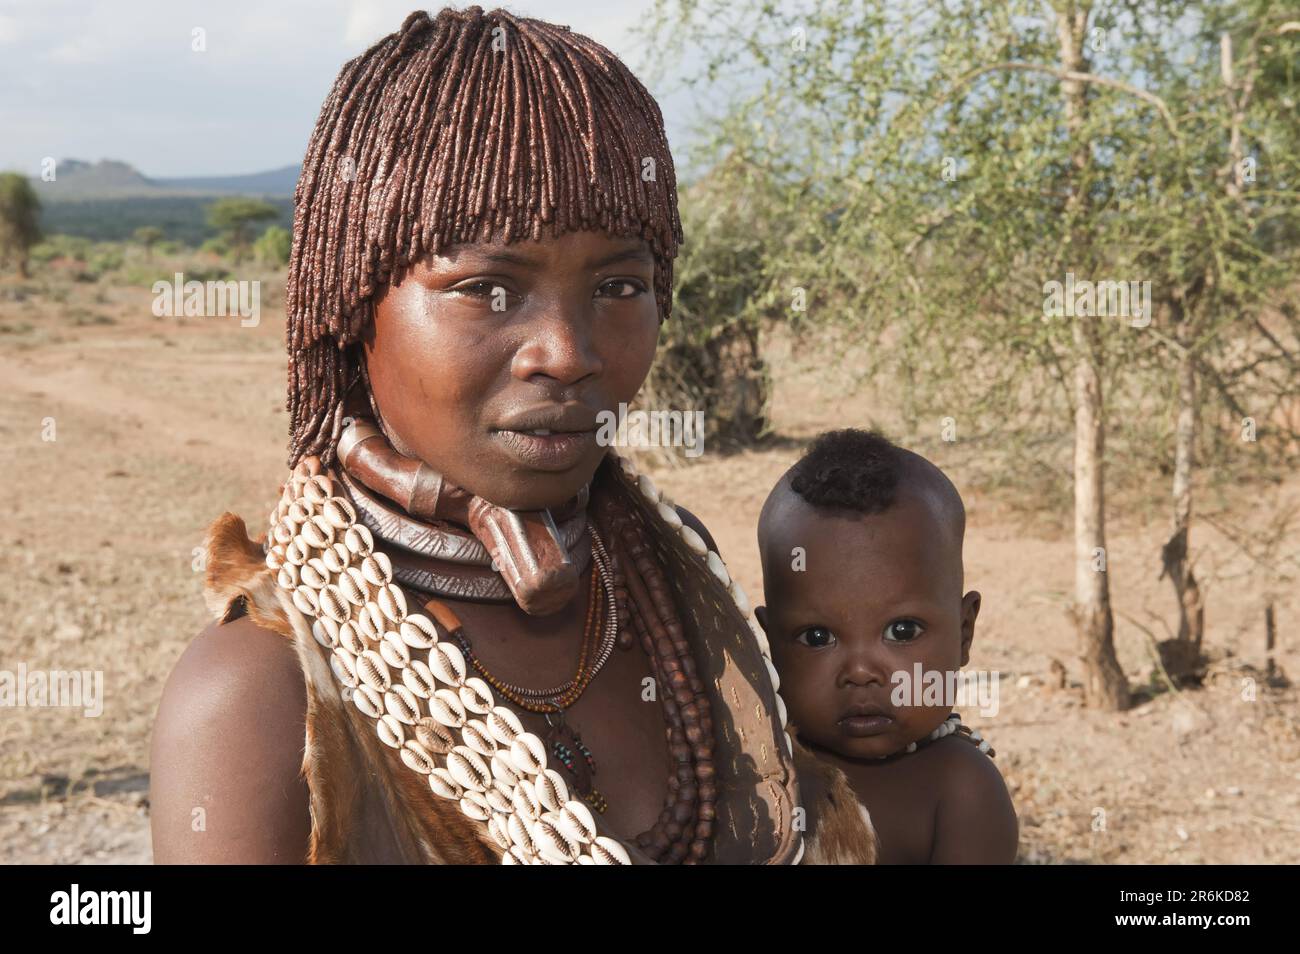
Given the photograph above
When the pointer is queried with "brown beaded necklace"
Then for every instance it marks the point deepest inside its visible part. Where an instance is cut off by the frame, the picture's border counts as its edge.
(641, 608)
(563, 740)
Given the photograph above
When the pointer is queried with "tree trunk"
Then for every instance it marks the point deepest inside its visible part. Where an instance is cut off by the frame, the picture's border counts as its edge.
(1104, 683)
(1182, 655)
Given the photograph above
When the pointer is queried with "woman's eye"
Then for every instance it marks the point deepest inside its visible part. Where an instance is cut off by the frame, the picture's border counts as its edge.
(479, 289)
(816, 637)
(903, 631)
(623, 288)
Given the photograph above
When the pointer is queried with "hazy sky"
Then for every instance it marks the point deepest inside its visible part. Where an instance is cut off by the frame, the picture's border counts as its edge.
(119, 80)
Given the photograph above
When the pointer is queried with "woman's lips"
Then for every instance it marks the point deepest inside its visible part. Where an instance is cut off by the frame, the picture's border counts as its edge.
(861, 726)
(554, 451)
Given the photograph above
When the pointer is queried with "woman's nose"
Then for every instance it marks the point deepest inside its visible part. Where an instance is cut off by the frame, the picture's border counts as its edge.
(558, 344)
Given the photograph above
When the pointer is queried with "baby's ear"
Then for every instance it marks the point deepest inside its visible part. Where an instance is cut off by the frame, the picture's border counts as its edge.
(970, 609)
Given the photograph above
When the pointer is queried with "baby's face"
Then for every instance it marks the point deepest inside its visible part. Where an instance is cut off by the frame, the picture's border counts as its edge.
(877, 595)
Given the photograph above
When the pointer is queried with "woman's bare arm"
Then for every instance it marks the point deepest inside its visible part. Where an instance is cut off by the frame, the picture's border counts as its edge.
(225, 782)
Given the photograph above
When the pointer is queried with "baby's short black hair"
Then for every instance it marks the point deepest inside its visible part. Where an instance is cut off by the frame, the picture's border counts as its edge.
(849, 469)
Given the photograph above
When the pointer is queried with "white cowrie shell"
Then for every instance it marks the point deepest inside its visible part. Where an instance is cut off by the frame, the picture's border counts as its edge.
(519, 834)
(275, 558)
(318, 489)
(693, 540)
(339, 513)
(789, 745)
(299, 512)
(400, 702)
(524, 800)
(310, 576)
(434, 737)
(606, 851)
(446, 707)
(514, 857)
(392, 601)
(391, 732)
(468, 769)
(719, 568)
(504, 725)
(497, 829)
(287, 577)
(627, 465)
(344, 665)
(447, 663)
(282, 532)
(394, 651)
(334, 604)
(370, 621)
(304, 597)
(503, 771)
(326, 631)
(417, 758)
(772, 674)
(373, 671)
(359, 540)
(443, 784)
(798, 855)
(377, 569)
(740, 598)
(336, 558)
(352, 586)
(760, 636)
(314, 536)
(350, 638)
(418, 631)
(419, 679)
(477, 738)
(474, 806)
(780, 710)
(552, 844)
(368, 701)
(528, 753)
(477, 696)
(577, 822)
(669, 515)
(551, 790)
(648, 488)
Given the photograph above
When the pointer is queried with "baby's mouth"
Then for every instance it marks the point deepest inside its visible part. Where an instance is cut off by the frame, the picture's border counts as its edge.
(865, 720)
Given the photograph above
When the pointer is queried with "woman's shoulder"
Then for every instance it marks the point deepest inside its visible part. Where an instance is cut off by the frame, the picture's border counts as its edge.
(227, 751)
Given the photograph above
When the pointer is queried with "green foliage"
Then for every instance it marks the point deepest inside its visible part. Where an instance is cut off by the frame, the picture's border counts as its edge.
(148, 235)
(19, 215)
(237, 218)
(272, 248)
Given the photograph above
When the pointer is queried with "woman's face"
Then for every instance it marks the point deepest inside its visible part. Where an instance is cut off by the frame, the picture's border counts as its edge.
(491, 362)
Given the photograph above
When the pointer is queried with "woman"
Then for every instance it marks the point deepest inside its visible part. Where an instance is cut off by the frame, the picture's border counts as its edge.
(483, 242)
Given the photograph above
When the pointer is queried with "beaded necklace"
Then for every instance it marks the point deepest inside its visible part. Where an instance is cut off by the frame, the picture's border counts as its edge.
(396, 668)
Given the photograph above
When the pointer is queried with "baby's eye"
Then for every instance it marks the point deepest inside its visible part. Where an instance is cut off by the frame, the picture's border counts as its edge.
(903, 631)
(816, 637)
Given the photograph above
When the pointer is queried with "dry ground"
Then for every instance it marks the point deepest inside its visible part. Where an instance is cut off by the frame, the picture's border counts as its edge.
(161, 424)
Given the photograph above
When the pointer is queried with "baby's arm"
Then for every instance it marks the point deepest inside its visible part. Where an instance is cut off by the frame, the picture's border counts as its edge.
(976, 823)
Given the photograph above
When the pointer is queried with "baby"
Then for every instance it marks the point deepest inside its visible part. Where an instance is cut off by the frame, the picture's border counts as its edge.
(862, 574)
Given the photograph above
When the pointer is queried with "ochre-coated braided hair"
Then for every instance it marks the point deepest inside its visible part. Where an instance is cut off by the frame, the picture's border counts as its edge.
(456, 128)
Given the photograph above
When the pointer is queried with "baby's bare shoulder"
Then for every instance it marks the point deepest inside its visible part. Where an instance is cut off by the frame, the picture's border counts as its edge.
(976, 820)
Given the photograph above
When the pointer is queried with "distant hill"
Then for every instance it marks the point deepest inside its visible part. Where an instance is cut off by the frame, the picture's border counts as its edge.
(108, 200)
(76, 180)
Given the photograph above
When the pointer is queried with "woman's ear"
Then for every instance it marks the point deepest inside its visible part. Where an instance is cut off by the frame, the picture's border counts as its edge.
(970, 609)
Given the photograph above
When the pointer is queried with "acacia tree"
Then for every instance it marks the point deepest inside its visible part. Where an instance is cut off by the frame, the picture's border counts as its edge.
(19, 216)
(944, 164)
